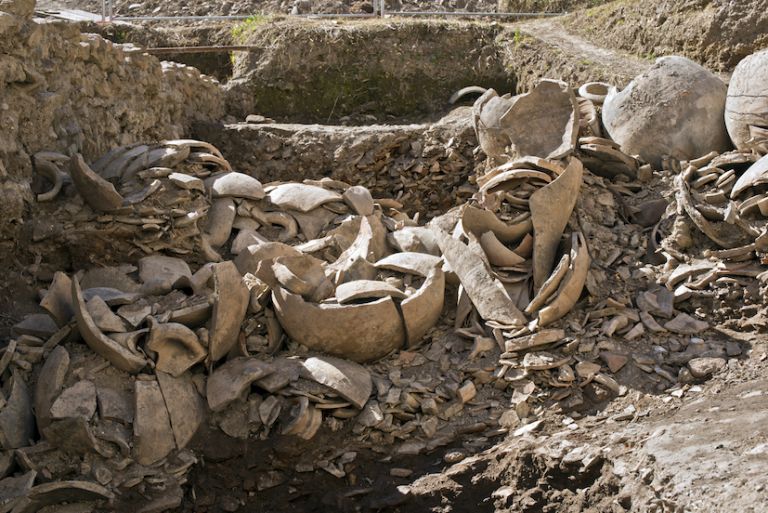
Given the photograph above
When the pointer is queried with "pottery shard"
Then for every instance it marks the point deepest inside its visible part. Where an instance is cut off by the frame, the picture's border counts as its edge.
(68, 492)
(106, 320)
(17, 423)
(416, 239)
(98, 193)
(79, 400)
(422, 310)
(705, 367)
(359, 332)
(350, 380)
(674, 108)
(231, 298)
(36, 325)
(13, 487)
(479, 221)
(572, 285)
(684, 324)
(366, 289)
(221, 217)
(187, 182)
(359, 200)
(49, 384)
(231, 380)
(420, 264)
(115, 405)
(756, 174)
(237, 185)
(58, 299)
(248, 261)
(171, 271)
(154, 438)
(551, 208)
(177, 347)
(301, 197)
(487, 293)
(746, 104)
(542, 123)
(118, 355)
(185, 406)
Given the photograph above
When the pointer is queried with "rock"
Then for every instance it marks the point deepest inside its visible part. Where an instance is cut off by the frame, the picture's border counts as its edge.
(17, 423)
(659, 302)
(350, 380)
(674, 108)
(104, 318)
(79, 400)
(400, 472)
(115, 405)
(542, 123)
(235, 185)
(231, 380)
(587, 370)
(466, 392)
(684, 324)
(614, 361)
(746, 104)
(154, 438)
(36, 325)
(705, 367)
(49, 383)
(231, 298)
(185, 406)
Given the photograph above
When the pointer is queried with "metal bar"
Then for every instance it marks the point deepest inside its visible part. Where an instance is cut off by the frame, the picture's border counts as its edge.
(239, 17)
(458, 13)
(194, 49)
(103, 11)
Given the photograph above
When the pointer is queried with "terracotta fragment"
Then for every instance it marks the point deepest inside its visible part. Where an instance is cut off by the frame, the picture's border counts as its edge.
(98, 193)
(79, 400)
(237, 185)
(177, 347)
(185, 406)
(231, 300)
(350, 380)
(58, 299)
(301, 197)
(479, 221)
(572, 285)
(420, 264)
(231, 380)
(154, 439)
(422, 310)
(366, 289)
(53, 372)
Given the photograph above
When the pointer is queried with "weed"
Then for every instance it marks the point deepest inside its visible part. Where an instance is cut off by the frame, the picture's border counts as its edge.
(241, 31)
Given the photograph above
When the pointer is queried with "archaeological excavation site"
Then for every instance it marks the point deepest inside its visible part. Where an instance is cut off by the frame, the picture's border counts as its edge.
(394, 256)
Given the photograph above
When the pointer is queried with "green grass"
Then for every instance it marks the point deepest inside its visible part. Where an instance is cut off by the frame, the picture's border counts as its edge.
(241, 31)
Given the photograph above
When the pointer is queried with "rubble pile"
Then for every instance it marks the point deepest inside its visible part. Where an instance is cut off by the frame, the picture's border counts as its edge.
(284, 308)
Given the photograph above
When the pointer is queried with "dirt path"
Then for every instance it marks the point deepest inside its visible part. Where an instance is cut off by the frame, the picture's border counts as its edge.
(551, 30)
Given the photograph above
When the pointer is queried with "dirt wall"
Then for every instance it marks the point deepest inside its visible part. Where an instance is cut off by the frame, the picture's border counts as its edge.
(71, 92)
(716, 33)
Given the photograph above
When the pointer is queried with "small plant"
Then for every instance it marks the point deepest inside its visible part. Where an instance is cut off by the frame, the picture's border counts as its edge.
(518, 39)
(241, 31)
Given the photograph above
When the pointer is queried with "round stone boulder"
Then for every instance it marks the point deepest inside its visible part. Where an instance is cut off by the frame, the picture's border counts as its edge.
(674, 108)
(746, 108)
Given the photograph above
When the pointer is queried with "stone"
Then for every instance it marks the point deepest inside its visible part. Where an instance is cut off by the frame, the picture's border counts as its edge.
(231, 299)
(36, 325)
(237, 185)
(186, 409)
(230, 381)
(350, 380)
(659, 302)
(746, 103)
(359, 199)
(684, 324)
(587, 370)
(154, 438)
(614, 361)
(466, 392)
(79, 400)
(705, 367)
(104, 318)
(674, 108)
(49, 383)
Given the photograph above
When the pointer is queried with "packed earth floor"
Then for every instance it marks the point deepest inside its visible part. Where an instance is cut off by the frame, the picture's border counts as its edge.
(384, 265)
